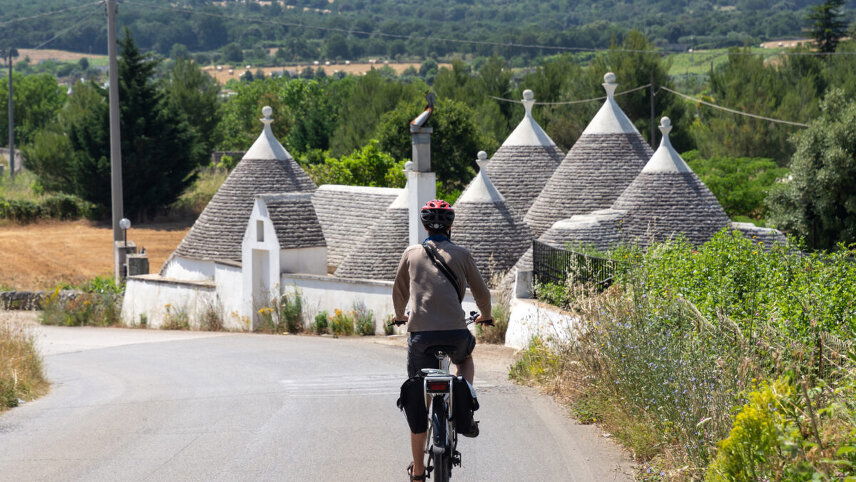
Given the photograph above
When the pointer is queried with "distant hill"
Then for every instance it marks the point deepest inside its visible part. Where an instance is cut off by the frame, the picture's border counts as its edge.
(304, 30)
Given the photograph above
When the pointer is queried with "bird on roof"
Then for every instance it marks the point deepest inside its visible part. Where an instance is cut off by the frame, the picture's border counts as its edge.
(422, 118)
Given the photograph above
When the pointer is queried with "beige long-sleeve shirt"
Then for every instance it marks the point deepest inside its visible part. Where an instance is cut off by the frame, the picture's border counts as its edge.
(433, 303)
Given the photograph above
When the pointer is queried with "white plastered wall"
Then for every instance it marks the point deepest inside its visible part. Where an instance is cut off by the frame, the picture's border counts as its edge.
(153, 299)
(189, 269)
(529, 319)
(327, 293)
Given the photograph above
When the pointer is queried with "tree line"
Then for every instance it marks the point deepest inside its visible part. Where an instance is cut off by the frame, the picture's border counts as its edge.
(353, 129)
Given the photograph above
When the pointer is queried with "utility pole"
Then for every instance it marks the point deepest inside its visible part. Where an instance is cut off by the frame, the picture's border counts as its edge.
(651, 124)
(11, 105)
(115, 139)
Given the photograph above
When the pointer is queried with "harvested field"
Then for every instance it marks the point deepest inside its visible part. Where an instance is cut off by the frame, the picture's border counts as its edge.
(37, 56)
(237, 71)
(38, 256)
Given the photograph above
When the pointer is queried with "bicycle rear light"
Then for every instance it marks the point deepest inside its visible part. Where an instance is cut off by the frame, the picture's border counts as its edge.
(437, 385)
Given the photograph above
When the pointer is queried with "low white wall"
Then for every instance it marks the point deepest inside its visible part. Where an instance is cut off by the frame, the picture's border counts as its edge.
(150, 298)
(230, 296)
(189, 269)
(328, 293)
(529, 319)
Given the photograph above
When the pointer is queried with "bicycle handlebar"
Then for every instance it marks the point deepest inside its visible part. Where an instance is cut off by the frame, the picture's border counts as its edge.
(470, 320)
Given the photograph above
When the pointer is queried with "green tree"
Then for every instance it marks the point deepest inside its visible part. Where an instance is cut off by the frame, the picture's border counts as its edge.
(194, 94)
(37, 99)
(365, 100)
(827, 24)
(819, 202)
(240, 126)
(454, 144)
(368, 166)
(159, 150)
(741, 184)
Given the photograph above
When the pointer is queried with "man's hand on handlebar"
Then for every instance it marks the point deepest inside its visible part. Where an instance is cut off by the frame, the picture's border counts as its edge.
(398, 321)
(481, 320)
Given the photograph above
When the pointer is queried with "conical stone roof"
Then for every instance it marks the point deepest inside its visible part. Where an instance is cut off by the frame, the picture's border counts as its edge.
(522, 165)
(494, 234)
(375, 256)
(668, 199)
(267, 167)
(601, 164)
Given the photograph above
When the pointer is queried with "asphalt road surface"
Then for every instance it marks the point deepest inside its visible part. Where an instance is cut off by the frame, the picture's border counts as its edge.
(154, 405)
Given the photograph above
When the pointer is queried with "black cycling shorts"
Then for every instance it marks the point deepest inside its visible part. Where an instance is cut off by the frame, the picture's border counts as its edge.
(419, 341)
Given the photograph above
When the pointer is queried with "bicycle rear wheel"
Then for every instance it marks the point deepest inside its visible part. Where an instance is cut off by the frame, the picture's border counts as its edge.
(441, 455)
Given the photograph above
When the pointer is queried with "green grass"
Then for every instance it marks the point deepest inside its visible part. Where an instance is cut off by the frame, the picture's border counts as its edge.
(21, 372)
(699, 62)
(21, 188)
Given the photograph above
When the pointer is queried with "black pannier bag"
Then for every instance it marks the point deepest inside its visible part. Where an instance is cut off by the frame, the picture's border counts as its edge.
(412, 401)
(463, 405)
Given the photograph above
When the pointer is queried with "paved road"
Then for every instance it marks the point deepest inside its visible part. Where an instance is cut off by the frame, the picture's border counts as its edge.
(152, 405)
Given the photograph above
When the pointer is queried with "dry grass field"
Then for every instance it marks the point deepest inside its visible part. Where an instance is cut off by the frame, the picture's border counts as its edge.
(37, 56)
(38, 256)
(228, 72)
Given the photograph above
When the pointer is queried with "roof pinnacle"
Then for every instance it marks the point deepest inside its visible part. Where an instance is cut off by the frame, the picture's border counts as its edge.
(482, 160)
(665, 126)
(528, 101)
(609, 84)
(267, 111)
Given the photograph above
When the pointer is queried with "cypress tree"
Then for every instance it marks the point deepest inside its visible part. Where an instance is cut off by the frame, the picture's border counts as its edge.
(827, 26)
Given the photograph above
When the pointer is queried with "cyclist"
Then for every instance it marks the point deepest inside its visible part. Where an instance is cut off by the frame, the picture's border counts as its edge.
(431, 280)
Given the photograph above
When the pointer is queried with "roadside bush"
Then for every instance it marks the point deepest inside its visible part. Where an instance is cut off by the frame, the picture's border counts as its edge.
(363, 319)
(212, 317)
(496, 333)
(342, 323)
(82, 309)
(175, 318)
(21, 372)
(321, 324)
(289, 312)
(553, 293)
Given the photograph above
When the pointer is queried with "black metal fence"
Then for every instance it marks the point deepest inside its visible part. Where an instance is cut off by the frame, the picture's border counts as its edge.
(557, 265)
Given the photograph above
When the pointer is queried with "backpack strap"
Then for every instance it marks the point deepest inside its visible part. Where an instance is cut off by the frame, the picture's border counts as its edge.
(441, 265)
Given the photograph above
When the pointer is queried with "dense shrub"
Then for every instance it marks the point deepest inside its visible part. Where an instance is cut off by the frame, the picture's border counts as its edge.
(731, 275)
(667, 357)
(58, 206)
(321, 324)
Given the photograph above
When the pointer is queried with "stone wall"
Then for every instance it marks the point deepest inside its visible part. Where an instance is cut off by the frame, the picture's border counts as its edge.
(31, 300)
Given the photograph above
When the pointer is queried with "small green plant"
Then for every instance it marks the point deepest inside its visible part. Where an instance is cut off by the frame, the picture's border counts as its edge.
(342, 323)
(363, 319)
(388, 328)
(144, 320)
(289, 312)
(321, 324)
(175, 318)
(555, 294)
(211, 318)
(536, 364)
(496, 333)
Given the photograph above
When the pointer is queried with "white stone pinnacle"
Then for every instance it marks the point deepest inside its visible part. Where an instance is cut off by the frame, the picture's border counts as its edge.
(267, 146)
(481, 189)
(666, 158)
(610, 119)
(528, 132)
(482, 160)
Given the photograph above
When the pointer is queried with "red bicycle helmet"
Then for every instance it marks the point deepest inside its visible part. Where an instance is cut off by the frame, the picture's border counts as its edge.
(437, 215)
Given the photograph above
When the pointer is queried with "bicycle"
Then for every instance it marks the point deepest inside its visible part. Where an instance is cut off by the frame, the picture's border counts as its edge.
(438, 386)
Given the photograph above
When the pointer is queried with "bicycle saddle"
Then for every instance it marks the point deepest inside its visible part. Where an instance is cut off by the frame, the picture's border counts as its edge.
(447, 349)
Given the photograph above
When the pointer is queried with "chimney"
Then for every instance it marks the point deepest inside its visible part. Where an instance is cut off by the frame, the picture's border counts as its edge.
(421, 181)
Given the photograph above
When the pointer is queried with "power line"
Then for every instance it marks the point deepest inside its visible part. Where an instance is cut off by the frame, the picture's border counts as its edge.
(452, 40)
(734, 111)
(569, 102)
(49, 14)
(64, 31)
